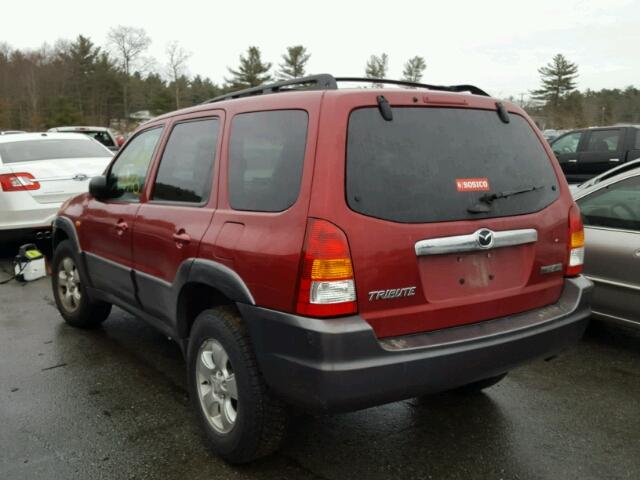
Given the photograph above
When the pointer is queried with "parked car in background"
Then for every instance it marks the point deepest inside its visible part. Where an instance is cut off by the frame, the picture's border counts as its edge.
(102, 134)
(11, 132)
(550, 134)
(611, 216)
(631, 165)
(294, 269)
(39, 171)
(588, 152)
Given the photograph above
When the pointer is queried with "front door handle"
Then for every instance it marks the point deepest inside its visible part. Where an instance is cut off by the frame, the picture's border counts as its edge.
(181, 238)
(121, 227)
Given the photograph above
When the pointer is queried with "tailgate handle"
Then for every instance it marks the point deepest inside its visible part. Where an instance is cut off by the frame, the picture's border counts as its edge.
(483, 239)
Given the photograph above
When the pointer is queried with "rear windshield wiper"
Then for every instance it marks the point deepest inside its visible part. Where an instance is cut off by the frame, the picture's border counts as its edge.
(485, 201)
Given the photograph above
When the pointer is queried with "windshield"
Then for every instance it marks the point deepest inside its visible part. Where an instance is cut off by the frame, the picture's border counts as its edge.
(434, 164)
(50, 149)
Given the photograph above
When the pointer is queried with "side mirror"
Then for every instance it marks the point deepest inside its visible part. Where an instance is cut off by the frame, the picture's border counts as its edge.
(98, 187)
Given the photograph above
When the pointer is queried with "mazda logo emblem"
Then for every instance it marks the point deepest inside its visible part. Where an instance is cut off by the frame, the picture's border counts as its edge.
(484, 238)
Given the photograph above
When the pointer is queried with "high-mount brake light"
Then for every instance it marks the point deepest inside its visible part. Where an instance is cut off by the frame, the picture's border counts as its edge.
(575, 243)
(327, 286)
(18, 182)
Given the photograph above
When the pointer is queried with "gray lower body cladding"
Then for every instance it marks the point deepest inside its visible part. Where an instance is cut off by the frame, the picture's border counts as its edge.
(339, 364)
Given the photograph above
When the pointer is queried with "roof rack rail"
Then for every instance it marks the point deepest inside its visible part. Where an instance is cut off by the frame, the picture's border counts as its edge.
(314, 82)
(443, 88)
(326, 81)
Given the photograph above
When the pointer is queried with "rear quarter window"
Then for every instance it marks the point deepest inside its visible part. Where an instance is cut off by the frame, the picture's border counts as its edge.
(408, 169)
(266, 156)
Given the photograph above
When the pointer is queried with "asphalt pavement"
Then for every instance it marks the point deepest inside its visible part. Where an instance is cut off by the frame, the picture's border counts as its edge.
(112, 403)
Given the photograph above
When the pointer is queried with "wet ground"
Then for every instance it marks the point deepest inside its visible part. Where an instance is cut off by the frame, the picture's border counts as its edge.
(112, 404)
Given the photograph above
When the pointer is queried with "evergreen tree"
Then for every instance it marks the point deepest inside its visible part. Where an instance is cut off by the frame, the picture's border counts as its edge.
(294, 62)
(377, 67)
(202, 89)
(558, 79)
(251, 72)
(414, 69)
(157, 95)
(81, 59)
(84, 55)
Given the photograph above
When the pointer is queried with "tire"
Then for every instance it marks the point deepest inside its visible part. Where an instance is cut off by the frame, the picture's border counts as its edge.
(252, 425)
(70, 293)
(477, 387)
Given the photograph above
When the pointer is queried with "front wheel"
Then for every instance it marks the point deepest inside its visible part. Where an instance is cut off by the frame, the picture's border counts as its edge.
(70, 293)
(242, 420)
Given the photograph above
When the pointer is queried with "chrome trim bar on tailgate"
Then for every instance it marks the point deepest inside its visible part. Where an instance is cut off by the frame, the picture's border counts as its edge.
(483, 239)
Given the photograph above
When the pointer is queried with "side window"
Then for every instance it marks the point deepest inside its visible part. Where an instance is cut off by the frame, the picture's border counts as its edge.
(187, 162)
(129, 172)
(637, 133)
(266, 155)
(604, 141)
(567, 144)
(615, 206)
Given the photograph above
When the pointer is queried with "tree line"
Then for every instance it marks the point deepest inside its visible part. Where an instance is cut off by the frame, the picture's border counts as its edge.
(557, 103)
(79, 82)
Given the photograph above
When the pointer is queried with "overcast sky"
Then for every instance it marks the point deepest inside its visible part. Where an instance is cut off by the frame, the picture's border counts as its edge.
(497, 45)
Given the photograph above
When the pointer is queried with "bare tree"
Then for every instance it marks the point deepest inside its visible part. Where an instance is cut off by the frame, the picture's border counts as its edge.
(127, 44)
(176, 65)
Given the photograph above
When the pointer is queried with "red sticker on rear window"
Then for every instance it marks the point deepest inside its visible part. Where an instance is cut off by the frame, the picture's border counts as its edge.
(472, 184)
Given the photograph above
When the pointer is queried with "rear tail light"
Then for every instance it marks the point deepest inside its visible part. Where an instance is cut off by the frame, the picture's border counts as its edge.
(327, 287)
(16, 182)
(575, 245)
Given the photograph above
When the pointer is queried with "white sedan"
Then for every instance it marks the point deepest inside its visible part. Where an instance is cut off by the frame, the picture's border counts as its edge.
(38, 172)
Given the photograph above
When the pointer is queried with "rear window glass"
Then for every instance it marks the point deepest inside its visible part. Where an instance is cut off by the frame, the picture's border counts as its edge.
(50, 149)
(265, 159)
(432, 164)
(102, 137)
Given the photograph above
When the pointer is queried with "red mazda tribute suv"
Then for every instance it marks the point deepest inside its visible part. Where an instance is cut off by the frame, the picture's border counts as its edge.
(330, 249)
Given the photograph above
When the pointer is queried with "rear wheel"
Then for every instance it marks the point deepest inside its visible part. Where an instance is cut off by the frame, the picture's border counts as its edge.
(70, 292)
(242, 420)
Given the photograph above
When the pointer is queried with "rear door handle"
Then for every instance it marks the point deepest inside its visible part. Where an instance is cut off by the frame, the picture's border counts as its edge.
(121, 227)
(181, 238)
(573, 160)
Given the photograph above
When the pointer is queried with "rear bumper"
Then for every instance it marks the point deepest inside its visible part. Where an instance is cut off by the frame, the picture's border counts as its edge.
(340, 365)
(19, 210)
